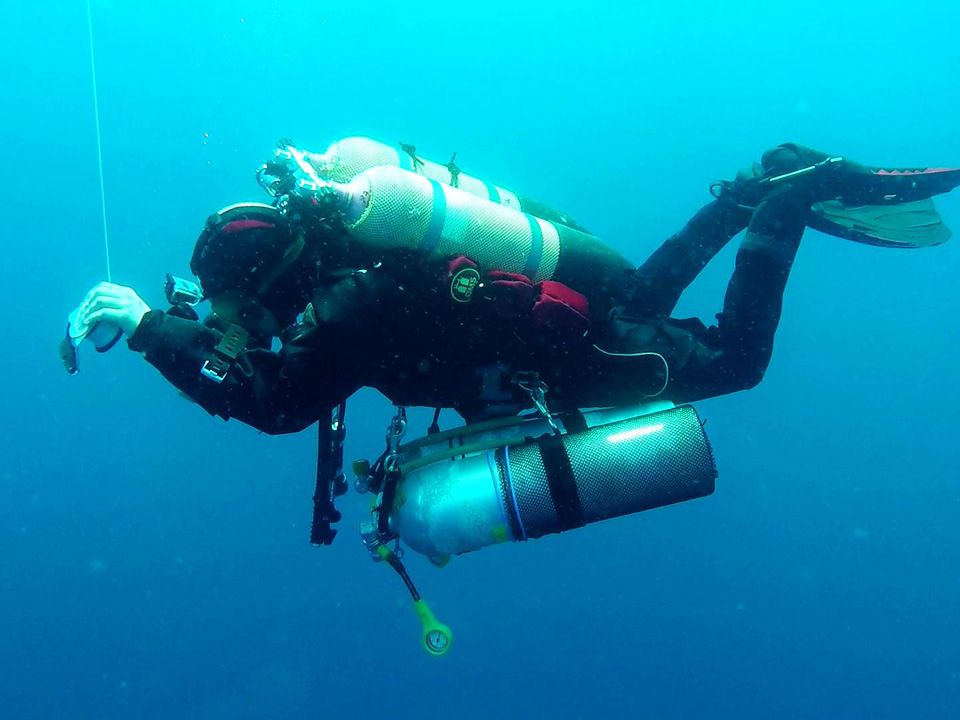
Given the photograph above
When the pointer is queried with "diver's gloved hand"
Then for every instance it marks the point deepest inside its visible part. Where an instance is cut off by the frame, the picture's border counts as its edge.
(107, 313)
(112, 304)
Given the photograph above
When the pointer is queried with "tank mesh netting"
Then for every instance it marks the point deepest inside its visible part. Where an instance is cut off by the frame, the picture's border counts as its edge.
(493, 236)
(351, 156)
(464, 182)
(399, 211)
(537, 512)
(621, 468)
(506, 495)
(468, 183)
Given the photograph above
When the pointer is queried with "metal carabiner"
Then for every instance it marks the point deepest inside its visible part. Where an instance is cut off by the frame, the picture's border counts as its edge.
(537, 389)
(396, 431)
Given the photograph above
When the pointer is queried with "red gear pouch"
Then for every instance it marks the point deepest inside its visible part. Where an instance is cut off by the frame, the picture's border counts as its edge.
(548, 304)
(561, 308)
(511, 294)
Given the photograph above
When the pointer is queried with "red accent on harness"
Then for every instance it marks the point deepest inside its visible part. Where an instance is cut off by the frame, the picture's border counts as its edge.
(561, 308)
(511, 294)
(241, 225)
(457, 264)
(548, 304)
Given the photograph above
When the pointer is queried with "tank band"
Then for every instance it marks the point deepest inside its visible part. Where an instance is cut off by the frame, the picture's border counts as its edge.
(438, 215)
(536, 248)
(562, 483)
(507, 478)
(498, 487)
(574, 421)
(493, 192)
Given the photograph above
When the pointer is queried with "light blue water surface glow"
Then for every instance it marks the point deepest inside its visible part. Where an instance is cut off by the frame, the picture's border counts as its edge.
(154, 561)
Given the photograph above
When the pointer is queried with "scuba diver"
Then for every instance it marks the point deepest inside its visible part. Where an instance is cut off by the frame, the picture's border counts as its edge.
(457, 326)
(376, 268)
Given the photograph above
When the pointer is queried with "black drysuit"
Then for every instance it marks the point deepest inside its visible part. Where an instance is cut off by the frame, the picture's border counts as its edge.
(393, 327)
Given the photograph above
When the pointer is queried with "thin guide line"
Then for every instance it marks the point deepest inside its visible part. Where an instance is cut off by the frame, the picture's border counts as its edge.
(96, 116)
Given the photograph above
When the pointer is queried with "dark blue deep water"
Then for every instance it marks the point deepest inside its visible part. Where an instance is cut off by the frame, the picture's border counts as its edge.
(154, 561)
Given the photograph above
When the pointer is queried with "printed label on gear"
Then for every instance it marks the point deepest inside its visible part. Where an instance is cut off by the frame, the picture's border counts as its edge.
(463, 284)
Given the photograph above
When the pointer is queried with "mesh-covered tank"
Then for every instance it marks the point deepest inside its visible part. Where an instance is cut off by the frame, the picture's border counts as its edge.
(551, 483)
(347, 158)
(387, 207)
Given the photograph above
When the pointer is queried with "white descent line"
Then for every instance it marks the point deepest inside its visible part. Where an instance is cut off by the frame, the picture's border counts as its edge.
(632, 434)
(96, 117)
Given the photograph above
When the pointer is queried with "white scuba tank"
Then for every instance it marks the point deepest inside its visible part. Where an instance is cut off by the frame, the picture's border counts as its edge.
(347, 158)
(388, 207)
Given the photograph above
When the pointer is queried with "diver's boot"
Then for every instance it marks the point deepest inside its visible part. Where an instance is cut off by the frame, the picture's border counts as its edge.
(877, 206)
(832, 177)
(790, 165)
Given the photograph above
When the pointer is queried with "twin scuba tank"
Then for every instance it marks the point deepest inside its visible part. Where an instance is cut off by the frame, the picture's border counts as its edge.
(391, 198)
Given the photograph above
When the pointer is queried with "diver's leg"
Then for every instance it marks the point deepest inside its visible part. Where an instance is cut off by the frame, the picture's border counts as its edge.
(661, 280)
(732, 355)
(705, 361)
(754, 298)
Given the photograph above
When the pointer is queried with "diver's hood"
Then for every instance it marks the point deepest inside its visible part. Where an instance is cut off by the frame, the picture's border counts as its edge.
(252, 250)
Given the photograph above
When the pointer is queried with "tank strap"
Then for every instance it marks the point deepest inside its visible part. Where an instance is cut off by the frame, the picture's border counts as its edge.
(435, 425)
(438, 215)
(454, 170)
(574, 421)
(411, 150)
(562, 483)
(536, 247)
(493, 192)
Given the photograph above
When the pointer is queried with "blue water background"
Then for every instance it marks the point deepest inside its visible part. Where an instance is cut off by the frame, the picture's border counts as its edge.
(154, 561)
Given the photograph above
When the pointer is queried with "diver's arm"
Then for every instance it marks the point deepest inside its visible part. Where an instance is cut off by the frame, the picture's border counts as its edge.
(262, 388)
